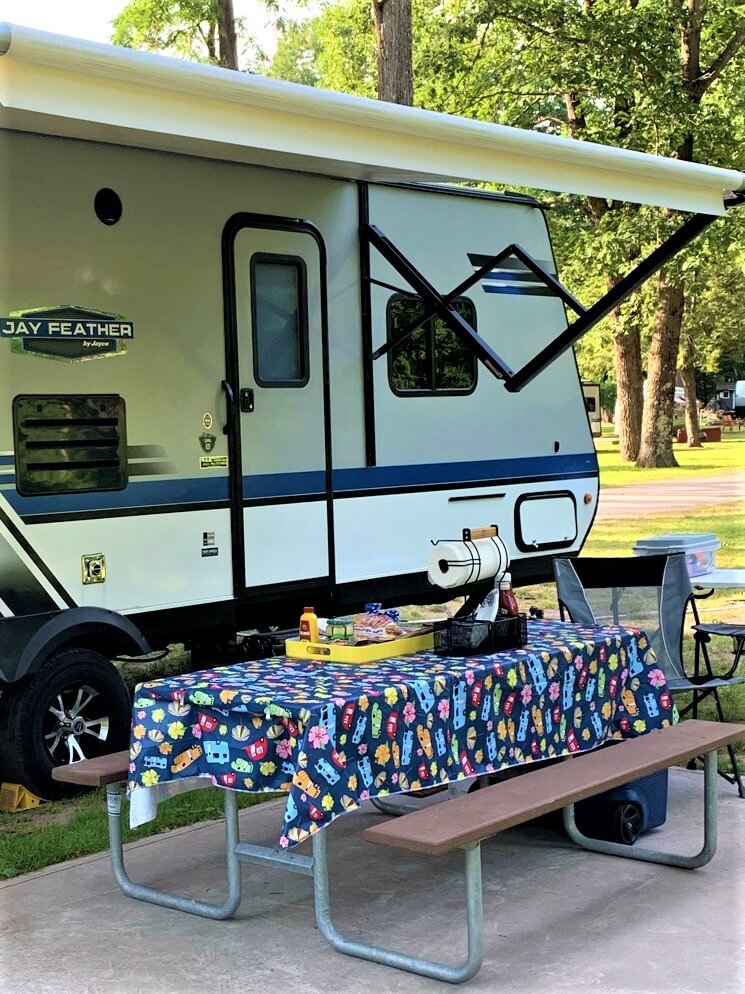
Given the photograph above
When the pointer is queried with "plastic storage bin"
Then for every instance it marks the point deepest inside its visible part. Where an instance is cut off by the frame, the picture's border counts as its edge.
(623, 814)
(700, 550)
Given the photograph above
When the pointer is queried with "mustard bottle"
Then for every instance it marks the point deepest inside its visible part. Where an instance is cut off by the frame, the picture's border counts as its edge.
(308, 625)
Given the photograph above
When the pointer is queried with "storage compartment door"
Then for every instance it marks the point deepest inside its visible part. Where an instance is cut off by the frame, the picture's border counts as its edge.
(545, 521)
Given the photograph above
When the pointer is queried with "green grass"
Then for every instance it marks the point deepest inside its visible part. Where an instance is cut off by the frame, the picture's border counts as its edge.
(714, 458)
(31, 840)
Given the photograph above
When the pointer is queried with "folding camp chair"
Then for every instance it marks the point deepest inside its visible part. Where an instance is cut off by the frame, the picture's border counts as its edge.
(652, 593)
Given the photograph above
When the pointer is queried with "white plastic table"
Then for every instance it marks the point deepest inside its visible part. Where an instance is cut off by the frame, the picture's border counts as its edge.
(719, 578)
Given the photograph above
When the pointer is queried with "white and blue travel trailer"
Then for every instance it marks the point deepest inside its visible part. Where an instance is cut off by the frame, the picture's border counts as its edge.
(255, 355)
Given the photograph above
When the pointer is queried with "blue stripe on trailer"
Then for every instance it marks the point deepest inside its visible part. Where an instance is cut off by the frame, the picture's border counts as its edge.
(531, 290)
(456, 473)
(154, 493)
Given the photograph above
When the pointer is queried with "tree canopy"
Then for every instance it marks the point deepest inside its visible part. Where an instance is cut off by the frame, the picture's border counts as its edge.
(661, 76)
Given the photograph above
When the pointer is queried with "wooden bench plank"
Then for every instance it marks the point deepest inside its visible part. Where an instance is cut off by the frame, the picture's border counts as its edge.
(477, 816)
(95, 772)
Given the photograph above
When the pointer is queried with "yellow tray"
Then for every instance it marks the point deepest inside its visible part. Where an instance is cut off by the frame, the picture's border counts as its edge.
(332, 652)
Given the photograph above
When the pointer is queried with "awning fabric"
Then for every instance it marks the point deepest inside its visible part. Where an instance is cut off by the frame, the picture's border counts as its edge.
(63, 86)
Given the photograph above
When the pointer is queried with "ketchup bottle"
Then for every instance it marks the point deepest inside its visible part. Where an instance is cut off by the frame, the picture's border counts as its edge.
(507, 599)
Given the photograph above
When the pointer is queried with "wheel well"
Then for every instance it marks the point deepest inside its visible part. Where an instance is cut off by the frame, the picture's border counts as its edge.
(105, 632)
(109, 642)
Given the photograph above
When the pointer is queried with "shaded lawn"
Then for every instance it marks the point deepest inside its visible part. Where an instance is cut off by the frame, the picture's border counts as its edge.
(714, 458)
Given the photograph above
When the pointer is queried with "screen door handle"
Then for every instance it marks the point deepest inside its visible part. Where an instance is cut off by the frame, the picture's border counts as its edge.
(247, 400)
(230, 407)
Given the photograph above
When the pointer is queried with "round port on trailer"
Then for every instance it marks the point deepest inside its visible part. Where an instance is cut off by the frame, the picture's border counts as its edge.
(587, 498)
(108, 206)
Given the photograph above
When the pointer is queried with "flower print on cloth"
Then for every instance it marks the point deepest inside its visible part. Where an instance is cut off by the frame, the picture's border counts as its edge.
(318, 736)
(331, 735)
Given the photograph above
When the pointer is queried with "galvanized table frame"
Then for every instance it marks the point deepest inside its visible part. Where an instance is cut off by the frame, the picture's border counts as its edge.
(316, 866)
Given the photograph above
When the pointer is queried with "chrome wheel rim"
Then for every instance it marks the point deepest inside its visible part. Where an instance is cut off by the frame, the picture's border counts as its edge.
(75, 724)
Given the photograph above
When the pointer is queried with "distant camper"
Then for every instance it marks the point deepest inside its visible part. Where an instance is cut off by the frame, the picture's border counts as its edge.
(591, 393)
(730, 397)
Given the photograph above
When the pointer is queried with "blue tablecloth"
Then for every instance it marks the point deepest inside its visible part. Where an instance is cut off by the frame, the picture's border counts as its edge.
(333, 735)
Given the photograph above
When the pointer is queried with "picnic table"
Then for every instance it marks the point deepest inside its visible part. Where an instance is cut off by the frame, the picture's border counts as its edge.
(332, 735)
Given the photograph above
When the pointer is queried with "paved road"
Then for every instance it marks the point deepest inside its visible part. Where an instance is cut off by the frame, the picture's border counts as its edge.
(670, 495)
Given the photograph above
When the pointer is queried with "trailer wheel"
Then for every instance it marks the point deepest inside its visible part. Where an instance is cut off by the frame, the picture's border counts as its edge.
(76, 706)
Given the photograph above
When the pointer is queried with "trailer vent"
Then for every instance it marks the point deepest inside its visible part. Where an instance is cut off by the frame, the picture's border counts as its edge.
(69, 443)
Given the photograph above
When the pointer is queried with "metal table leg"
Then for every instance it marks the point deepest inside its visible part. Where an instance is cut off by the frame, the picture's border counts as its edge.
(163, 898)
(388, 957)
(651, 855)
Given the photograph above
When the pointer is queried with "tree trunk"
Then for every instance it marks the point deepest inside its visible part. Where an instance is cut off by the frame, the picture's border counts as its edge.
(688, 374)
(657, 424)
(393, 34)
(228, 42)
(630, 395)
(629, 382)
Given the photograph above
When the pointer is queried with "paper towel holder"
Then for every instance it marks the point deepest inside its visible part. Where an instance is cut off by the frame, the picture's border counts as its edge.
(486, 531)
(471, 534)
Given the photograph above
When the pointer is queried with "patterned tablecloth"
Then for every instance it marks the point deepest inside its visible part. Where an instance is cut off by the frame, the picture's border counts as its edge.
(332, 735)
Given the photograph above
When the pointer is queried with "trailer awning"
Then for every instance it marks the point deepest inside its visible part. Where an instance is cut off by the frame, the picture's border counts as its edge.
(62, 86)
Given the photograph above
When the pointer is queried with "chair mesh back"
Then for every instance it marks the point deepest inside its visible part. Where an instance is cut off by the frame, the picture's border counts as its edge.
(647, 592)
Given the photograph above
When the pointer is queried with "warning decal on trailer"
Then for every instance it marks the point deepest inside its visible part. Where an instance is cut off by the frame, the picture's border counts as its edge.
(213, 462)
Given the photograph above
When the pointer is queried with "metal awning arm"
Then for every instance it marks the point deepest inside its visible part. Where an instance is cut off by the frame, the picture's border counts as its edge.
(557, 288)
(442, 305)
(689, 230)
(435, 303)
(428, 312)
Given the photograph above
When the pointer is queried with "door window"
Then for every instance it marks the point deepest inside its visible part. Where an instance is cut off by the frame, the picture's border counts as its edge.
(280, 320)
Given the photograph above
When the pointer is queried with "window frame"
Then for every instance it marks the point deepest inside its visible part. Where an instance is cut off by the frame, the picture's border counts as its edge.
(428, 324)
(280, 258)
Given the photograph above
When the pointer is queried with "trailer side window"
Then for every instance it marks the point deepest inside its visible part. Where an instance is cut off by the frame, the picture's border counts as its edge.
(432, 360)
(69, 443)
(279, 315)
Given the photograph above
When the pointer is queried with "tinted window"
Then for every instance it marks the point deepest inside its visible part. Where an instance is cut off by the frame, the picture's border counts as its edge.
(432, 359)
(279, 318)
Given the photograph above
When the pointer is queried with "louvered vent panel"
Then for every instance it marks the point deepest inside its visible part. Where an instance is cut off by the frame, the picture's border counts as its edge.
(69, 443)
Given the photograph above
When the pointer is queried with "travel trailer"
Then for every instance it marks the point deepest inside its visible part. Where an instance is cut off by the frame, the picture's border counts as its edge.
(256, 354)
(730, 397)
(591, 393)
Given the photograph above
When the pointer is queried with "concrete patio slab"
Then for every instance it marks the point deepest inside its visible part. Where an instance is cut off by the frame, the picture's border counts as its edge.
(557, 919)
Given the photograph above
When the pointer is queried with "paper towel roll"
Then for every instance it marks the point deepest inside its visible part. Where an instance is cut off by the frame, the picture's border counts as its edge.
(455, 564)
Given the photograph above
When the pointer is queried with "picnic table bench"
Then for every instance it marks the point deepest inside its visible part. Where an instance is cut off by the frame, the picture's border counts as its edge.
(462, 822)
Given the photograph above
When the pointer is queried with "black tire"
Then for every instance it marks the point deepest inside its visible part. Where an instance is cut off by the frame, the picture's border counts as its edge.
(627, 823)
(75, 706)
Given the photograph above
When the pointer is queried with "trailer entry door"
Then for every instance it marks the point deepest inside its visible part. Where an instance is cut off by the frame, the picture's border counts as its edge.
(279, 399)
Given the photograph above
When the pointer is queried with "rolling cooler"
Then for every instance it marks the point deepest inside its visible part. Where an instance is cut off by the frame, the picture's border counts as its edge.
(623, 814)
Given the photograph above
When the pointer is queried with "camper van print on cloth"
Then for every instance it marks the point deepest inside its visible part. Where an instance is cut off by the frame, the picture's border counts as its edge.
(331, 736)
